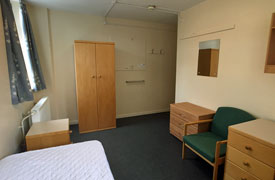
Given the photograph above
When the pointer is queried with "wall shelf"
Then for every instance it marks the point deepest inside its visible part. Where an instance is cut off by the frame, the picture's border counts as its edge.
(209, 31)
(270, 56)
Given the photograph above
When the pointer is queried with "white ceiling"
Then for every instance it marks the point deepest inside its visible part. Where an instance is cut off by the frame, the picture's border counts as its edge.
(99, 7)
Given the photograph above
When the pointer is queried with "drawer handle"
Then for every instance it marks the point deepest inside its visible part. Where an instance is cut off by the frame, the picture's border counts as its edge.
(243, 178)
(246, 164)
(248, 148)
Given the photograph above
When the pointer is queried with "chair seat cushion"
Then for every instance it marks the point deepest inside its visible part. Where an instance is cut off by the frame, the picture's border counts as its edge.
(205, 144)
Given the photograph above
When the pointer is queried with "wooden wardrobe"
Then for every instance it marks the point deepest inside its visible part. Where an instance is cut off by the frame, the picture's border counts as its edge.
(95, 85)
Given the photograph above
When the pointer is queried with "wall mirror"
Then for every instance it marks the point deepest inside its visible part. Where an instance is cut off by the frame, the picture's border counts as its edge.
(208, 58)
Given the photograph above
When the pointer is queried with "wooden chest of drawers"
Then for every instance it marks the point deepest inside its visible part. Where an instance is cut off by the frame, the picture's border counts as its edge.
(181, 113)
(251, 151)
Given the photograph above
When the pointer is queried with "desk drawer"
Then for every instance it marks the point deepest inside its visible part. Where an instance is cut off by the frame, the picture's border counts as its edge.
(250, 164)
(192, 129)
(238, 173)
(176, 131)
(177, 121)
(183, 115)
(177, 126)
(227, 177)
(253, 148)
(180, 123)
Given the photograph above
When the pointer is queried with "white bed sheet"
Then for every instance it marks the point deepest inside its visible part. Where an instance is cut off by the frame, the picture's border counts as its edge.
(86, 160)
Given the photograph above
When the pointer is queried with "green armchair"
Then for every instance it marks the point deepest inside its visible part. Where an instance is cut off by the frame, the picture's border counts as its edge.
(211, 145)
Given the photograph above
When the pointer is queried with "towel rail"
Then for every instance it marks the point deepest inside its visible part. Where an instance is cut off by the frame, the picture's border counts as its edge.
(136, 81)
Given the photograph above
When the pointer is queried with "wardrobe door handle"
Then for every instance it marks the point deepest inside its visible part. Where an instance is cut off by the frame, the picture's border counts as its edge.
(93, 76)
(246, 164)
(99, 76)
(248, 148)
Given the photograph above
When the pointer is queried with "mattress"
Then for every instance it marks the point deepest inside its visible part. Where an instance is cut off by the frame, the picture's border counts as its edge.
(86, 160)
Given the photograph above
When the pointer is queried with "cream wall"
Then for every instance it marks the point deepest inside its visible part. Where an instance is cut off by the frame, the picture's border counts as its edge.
(65, 27)
(10, 116)
(41, 29)
(241, 79)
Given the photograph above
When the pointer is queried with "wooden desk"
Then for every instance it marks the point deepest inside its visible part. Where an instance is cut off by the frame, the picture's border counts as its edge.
(48, 134)
(251, 151)
(181, 113)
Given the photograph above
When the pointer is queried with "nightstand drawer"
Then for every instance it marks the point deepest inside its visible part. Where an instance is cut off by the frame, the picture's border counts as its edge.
(253, 148)
(48, 134)
(238, 173)
(250, 164)
(48, 140)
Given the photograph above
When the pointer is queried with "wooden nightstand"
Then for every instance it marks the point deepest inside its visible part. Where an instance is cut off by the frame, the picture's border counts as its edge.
(48, 134)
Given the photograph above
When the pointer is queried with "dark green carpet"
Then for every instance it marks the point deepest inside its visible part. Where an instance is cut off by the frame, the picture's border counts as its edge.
(141, 148)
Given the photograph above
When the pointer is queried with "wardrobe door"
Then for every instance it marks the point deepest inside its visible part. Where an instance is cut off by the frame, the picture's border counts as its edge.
(85, 68)
(105, 61)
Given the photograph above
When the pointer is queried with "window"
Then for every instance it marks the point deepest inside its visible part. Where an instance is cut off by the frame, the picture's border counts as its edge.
(18, 16)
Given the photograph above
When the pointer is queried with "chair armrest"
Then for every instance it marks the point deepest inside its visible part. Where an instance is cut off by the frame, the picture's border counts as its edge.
(218, 148)
(221, 142)
(196, 122)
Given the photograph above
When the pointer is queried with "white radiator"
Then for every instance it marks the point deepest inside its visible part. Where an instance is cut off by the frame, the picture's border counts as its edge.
(41, 111)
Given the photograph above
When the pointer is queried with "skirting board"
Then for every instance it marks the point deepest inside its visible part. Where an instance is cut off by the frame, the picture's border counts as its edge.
(142, 113)
(72, 122)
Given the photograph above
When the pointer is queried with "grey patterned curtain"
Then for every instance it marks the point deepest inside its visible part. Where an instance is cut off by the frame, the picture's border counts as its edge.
(32, 51)
(19, 82)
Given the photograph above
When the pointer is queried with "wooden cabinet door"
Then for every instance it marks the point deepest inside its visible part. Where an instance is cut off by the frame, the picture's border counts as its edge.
(105, 63)
(214, 63)
(85, 68)
(204, 62)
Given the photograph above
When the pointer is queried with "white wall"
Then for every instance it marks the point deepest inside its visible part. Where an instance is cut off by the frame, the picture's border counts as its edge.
(65, 27)
(10, 116)
(241, 79)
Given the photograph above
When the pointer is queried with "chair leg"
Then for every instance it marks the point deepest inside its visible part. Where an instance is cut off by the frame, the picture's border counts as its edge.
(183, 150)
(215, 171)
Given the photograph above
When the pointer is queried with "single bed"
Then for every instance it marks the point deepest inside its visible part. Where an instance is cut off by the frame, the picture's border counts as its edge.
(86, 160)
